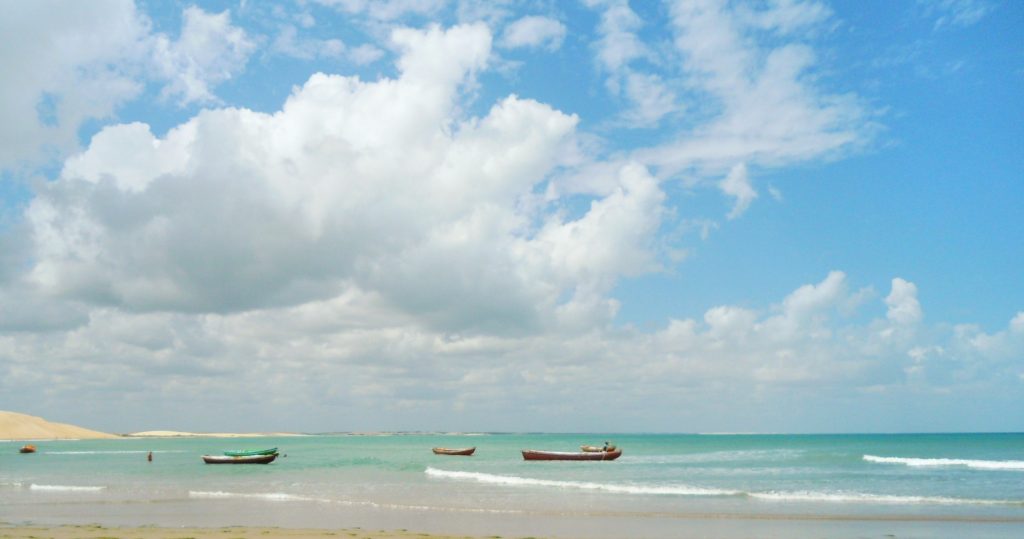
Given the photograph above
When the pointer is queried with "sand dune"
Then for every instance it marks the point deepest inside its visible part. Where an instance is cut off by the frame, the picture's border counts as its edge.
(15, 426)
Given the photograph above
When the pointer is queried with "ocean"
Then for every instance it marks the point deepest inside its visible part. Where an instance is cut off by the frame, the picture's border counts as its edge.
(856, 485)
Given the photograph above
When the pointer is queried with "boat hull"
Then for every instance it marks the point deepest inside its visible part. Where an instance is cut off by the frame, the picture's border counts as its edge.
(529, 454)
(28, 449)
(254, 459)
(460, 452)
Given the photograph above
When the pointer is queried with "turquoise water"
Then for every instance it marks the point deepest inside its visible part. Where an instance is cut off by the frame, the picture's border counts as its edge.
(327, 481)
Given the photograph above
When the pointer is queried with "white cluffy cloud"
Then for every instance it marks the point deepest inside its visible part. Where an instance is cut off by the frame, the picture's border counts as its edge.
(378, 187)
(387, 370)
(62, 65)
(208, 52)
(67, 63)
(534, 31)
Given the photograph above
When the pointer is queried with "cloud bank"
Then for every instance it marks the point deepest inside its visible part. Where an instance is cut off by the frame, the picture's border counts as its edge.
(391, 249)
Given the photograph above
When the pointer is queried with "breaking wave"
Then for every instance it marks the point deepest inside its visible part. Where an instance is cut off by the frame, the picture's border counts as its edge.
(1011, 465)
(65, 488)
(686, 490)
(512, 480)
(859, 497)
(269, 496)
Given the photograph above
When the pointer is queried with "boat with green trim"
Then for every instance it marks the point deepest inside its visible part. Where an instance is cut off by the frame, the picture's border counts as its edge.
(250, 452)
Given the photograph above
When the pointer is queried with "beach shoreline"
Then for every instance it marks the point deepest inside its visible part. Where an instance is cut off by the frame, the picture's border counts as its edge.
(705, 526)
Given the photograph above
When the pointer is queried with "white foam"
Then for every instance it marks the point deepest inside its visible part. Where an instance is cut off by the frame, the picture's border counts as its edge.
(138, 451)
(860, 497)
(1010, 465)
(65, 488)
(512, 480)
(269, 496)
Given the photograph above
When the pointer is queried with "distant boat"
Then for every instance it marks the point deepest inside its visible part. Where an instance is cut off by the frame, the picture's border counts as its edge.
(529, 454)
(250, 452)
(596, 448)
(445, 451)
(252, 459)
(27, 449)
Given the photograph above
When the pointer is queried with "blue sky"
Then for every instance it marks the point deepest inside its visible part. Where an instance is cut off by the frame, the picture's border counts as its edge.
(790, 215)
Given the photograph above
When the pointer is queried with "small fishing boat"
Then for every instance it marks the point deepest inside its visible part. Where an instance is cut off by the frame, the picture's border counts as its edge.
(446, 451)
(252, 459)
(27, 449)
(250, 452)
(529, 454)
(595, 448)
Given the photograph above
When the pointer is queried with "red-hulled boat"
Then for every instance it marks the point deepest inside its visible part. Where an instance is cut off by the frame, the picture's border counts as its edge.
(252, 459)
(529, 454)
(446, 451)
(27, 449)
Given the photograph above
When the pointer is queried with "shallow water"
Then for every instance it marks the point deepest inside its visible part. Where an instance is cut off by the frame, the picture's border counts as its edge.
(921, 484)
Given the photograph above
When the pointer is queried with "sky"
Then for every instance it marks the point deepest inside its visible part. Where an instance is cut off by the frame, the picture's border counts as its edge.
(529, 216)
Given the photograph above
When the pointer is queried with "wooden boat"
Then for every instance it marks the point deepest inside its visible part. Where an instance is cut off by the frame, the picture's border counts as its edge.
(252, 459)
(27, 449)
(595, 448)
(529, 454)
(250, 452)
(446, 451)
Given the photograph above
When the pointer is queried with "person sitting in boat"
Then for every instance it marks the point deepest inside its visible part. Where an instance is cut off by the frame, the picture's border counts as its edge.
(605, 448)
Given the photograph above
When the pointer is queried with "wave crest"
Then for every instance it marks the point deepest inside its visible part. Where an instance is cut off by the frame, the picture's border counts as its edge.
(270, 496)
(859, 497)
(513, 480)
(65, 488)
(1009, 465)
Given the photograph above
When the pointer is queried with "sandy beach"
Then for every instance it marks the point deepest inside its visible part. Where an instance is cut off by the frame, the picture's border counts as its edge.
(18, 426)
(148, 532)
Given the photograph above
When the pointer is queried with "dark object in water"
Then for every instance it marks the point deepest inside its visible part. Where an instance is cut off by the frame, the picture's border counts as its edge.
(446, 451)
(529, 454)
(254, 459)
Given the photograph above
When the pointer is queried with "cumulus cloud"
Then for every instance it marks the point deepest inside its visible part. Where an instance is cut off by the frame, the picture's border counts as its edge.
(534, 31)
(378, 187)
(903, 307)
(208, 52)
(395, 250)
(63, 65)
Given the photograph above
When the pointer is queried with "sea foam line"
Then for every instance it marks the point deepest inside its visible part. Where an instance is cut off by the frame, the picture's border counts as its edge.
(859, 497)
(64, 488)
(136, 451)
(512, 480)
(1011, 465)
(270, 496)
